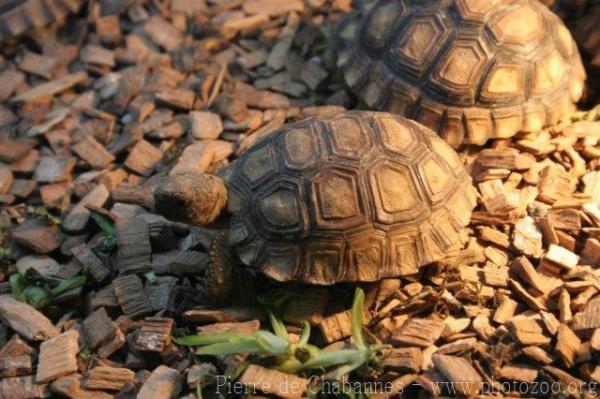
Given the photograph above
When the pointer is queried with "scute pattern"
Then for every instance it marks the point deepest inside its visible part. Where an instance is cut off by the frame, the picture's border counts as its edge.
(327, 213)
(470, 70)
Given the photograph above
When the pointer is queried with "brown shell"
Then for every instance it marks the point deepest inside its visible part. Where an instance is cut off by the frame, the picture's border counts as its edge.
(17, 16)
(354, 196)
(468, 69)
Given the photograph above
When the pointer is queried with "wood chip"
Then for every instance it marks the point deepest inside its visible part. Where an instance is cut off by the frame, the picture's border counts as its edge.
(58, 357)
(99, 328)
(134, 254)
(257, 378)
(77, 218)
(155, 334)
(38, 236)
(131, 296)
(143, 158)
(51, 88)
(459, 370)
(419, 332)
(205, 125)
(25, 320)
(93, 153)
(164, 382)
(109, 378)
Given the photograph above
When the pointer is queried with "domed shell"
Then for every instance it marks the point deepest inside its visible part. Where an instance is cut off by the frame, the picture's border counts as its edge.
(353, 196)
(468, 69)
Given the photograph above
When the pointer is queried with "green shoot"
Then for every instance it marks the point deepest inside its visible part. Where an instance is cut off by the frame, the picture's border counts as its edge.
(34, 290)
(300, 357)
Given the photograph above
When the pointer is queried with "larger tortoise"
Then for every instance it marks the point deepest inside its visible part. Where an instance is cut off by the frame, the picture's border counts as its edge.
(353, 196)
(468, 69)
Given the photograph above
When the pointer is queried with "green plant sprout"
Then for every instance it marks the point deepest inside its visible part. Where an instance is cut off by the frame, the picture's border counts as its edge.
(299, 357)
(33, 289)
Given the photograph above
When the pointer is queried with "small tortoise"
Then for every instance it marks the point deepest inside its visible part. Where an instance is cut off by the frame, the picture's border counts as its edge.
(18, 16)
(469, 69)
(353, 196)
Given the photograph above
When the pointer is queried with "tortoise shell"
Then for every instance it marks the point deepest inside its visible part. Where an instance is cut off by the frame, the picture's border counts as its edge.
(18, 16)
(468, 69)
(353, 196)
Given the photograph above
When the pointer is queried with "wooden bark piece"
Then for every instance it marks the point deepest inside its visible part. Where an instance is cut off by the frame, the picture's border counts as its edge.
(94, 153)
(337, 326)
(164, 382)
(38, 236)
(190, 197)
(23, 387)
(162, 33)
(54, 169)
(419, 332)
(109, 378)
(258, 378)
(99, 328)
(133, 239)
(458, 370)
(14, 366)
(568, 345)
(25, 320)
(131, 296)
(78, 217)
(143, 157)
(51, 88)
(406, 360)
(58, 357)
(92, 264)
(155, 334)
(205, 125)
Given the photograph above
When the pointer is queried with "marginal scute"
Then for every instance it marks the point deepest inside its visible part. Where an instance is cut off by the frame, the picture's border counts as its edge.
(366, 257)
(404, 255)
(356, 214)
(324, 261)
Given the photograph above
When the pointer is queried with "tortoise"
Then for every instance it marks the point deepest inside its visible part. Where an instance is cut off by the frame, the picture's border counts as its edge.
(347, 197)
(469, 69)
(18, 16)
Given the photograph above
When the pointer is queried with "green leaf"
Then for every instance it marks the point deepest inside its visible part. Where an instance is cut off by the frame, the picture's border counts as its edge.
(151, 276)
(272, 344)
(105, 224)
(325, 359)
(357, 319)
(278, 326)
(17, 285)
(205, 339)
(231, 348)
(348, 368)
(37, 297)
(305, 336)
(68, 284)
